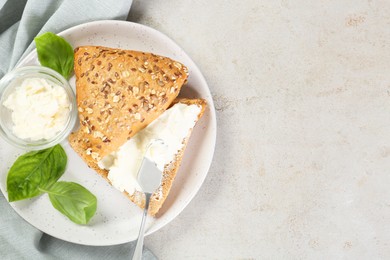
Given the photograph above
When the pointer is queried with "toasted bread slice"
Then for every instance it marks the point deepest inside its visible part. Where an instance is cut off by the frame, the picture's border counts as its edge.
(119, 92)
(170, 170)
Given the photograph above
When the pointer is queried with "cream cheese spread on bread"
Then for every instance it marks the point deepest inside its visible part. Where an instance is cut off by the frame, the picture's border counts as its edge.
(172, 127)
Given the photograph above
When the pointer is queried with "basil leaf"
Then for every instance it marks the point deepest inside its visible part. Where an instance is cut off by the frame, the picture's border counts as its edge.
(73, 200)
(55, 52)
(35, 170)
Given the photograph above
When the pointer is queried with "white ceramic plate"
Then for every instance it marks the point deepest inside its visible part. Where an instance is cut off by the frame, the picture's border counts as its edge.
(117, 220)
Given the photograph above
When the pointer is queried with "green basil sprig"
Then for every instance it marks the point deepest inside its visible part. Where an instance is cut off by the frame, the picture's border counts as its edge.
(37, 172)
(55, 52)
(73, 200)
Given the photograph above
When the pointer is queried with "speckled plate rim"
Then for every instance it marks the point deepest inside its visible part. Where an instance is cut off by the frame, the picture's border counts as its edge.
(196, 162)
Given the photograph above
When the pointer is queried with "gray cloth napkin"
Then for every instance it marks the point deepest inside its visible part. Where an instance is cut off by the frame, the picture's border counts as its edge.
(20, 22)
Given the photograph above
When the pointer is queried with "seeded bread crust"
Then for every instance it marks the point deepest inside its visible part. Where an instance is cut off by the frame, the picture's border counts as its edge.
(118, 93)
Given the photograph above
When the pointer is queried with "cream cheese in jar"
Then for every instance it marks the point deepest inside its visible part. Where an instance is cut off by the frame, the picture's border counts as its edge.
(40, 109)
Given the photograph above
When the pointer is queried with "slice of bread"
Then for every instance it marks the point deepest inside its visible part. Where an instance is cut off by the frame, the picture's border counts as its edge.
(170, 170)
(119, 92)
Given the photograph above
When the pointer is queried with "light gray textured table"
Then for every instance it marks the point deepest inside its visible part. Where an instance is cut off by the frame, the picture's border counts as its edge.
(302, 162)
